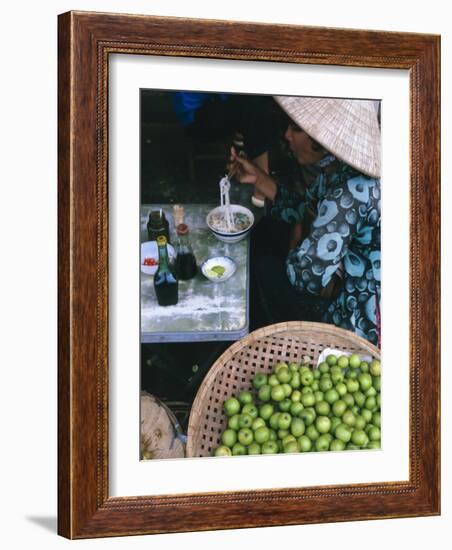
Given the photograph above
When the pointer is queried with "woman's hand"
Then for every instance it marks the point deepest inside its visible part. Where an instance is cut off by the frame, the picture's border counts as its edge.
(248, 172)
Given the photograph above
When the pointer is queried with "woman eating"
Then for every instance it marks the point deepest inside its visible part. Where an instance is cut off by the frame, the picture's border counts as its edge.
(337, 144)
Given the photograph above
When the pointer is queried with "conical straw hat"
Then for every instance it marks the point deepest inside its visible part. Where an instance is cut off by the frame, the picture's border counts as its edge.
(348, 128)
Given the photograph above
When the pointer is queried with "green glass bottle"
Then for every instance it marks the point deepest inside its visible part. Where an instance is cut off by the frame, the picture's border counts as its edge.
(166, 284)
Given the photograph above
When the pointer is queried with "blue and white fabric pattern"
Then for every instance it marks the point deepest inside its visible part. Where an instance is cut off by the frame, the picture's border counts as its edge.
(345, 233)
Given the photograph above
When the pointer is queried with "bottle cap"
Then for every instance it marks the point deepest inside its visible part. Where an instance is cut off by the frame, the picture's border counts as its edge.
(182, 229)
(161, 240)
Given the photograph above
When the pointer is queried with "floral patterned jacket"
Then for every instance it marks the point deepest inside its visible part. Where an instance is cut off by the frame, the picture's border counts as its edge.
(345, 233)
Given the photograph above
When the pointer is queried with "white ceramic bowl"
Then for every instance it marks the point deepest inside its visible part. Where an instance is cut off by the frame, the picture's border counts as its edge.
(208, 268)
(237, 235)
(149, 249)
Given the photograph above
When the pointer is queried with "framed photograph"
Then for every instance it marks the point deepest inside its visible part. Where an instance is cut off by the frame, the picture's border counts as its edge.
(233, 350)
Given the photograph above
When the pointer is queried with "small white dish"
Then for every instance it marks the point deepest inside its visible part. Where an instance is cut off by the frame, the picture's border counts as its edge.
(149, 250)
(218, 269)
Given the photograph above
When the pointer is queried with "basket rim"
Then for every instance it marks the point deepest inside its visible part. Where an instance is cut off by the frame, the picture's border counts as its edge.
(269, 330)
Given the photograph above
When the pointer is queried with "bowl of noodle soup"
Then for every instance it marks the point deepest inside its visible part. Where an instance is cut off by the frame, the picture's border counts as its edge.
(243, 222)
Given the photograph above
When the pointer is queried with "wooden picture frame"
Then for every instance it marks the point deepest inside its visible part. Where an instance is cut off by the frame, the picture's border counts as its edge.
(86, 40)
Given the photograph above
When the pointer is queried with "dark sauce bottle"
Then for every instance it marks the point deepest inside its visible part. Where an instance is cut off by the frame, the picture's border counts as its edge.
(158, 225)
(186, 267)
(166, 284)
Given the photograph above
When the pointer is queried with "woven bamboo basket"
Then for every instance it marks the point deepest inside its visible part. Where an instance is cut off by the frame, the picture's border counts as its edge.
(259, 352)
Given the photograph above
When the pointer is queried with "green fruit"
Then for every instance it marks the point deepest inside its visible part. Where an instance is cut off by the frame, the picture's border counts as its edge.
(352, 447)
(304, 443)
(264, 393)
(245, 436)
(343, 361)
(324, 367)
(374, 433)
(365, 381)
(307, 389)
(364, 366)
(316, 374)
(284, 375)
(262, 434)
(360, 423)
(229, 437)
(337, 445)
(273, 420)
(373, 445)
(231, 406)
(335, 421)
(376, 383)
(341, 388)
(376, 419)
(265, 411)
(325, 384)
(296, 408)
(287, 389)
(371, 403)
(245, 421)
(339, 407)
(307, 378)
(260, 379)
(308, 399)
(273, 435)
(349, 400)
(287, 439)
(343, 432)
(367, 415)
(233, 422)
(314, 386)
(295, 382)
(284, 421)
(251, 410)
(318, 396)
(331, 359)
(312, 432)
(293, 367)
(273, 380)
(322, 443)
(285, 404)
(257, 423)
(308, 416)
(280, 366)
(359, 438)
(254, 449)
(331, 396)
(354, 361)
(291, 447)
(239, 449)
(336, 369)
(322, 408)
(352, 385)
(296, 396)
(277, 393)
(282, 434)
(297, 427)
(222, 450)
(348, 418)
(322, 424)
(337, 378)
(269, 447)
(375, 368)
(245, 397)
(359, 398)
